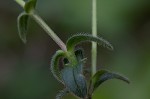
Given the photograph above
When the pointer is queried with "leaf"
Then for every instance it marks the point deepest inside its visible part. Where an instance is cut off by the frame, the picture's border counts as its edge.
(22, 23)
(30, 6)
(78, 38)
(104, 75)
(55, 64)
(62, 93)
(74, 81)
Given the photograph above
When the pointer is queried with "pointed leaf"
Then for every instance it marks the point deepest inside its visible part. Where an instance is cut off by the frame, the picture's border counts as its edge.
(22, 23)
(55, 64)
(78, 38)
(74, 81)
(30, 6)
(62, 93)
(104, 75)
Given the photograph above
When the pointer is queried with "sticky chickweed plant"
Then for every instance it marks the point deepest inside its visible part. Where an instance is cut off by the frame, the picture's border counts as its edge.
(72, 73)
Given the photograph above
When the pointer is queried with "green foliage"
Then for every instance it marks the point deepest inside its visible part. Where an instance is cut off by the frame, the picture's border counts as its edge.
(104, 75)
(83, 37)
(55, 64)
(23, 18)
(71, 74)
(23, 25)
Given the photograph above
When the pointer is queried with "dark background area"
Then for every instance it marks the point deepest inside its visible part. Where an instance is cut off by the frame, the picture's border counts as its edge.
(24, 68)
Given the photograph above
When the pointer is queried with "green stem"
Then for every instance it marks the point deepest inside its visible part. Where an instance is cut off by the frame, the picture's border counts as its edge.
(49, 31)
(94, 33)
(20, 2)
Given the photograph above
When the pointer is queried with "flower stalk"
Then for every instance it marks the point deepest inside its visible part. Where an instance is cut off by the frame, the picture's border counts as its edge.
(94, 33)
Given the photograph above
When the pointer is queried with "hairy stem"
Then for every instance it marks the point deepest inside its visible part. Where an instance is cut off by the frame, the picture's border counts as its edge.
(20, 2)
(49, 31)
(94, 33)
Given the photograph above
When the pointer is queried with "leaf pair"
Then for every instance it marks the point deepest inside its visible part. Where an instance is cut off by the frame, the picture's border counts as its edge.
(71, 43)
(72, 76)
(74, 80)
(23, 19)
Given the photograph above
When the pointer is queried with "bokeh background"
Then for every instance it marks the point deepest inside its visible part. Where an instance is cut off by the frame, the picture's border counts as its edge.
(24, 68)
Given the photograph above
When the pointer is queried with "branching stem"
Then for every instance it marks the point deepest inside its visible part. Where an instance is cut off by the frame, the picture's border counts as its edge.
(49, 31)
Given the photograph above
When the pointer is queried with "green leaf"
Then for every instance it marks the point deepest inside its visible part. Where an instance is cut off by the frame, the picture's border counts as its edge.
(30, 6)
(62, 93)
(22, 23)
(78, 38)
(74, 81)
(104, 75)
(55, 64)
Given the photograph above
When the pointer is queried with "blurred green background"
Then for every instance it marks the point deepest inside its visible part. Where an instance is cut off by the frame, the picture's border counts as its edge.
(24, 68)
